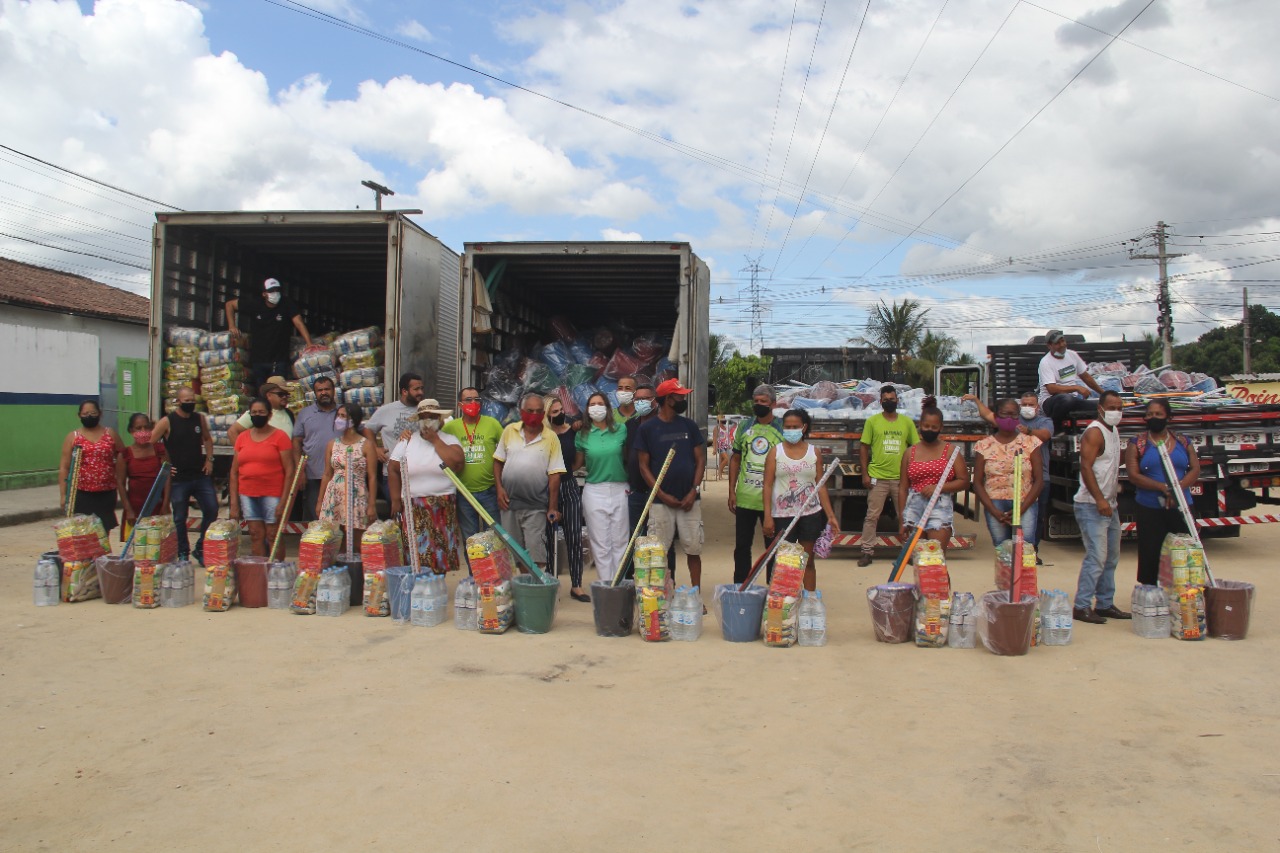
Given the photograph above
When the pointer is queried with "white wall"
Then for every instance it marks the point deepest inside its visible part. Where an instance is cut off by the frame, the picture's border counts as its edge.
(48, 361)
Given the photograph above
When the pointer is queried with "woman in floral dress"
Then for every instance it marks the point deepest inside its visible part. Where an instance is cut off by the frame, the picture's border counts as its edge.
(349, 459)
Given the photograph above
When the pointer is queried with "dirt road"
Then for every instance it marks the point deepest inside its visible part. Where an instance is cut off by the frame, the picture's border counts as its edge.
(258, 730)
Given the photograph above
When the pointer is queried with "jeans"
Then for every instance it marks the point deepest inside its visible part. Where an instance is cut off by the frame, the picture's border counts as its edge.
(1101, 537)
(1032, 534)
(469, 519)
(180, 494)
(1001, 532)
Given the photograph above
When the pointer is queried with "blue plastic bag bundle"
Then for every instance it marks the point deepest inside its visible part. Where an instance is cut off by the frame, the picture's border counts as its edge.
(578, 374)
(494, 409)
(580, 351)
(556, 356)
(582, 393)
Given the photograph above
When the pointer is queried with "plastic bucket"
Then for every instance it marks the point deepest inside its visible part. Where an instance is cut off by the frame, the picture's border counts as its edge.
(1006, 627)
(614, 607)
(355, 570)
(535, 604)
(893, 611)
(1227, 605)
(115, 578)
(251, 580)
(400, 592)
(740, 612)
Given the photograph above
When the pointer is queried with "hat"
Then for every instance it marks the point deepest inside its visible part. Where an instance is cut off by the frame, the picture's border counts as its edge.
(671, 386)
(1053, 336)
(271, 284)
(429, 407)
(273, 383)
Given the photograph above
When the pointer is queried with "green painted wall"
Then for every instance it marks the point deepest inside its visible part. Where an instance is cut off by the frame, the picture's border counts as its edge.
(32, 442)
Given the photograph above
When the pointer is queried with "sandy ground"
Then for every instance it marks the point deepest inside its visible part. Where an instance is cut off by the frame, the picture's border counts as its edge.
(258, 730)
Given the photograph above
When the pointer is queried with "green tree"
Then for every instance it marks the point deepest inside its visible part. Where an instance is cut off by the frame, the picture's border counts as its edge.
(934, 349)
(899, 328)
(734, 380)
(1220, 352)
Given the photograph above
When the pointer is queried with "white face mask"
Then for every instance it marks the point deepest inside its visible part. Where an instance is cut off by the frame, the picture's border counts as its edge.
(1112, 418)
(273, 298)
(430, 426)
(1056, 354)
(625, 397)
(597, 413)
(1028, 412)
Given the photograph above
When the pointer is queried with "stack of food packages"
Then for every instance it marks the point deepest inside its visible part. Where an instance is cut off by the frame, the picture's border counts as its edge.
(781, 606)
(573, 367)
(492, 565)
(381, 547)
(81, 540)
(313, 363)
(297, 396)
(1027, 581)
(360, 358)
(182, 365)
(653, 590)
(155, 545)
(224, 373)
(316, 552)
(1182, 574)
(221, 547)
(933, 605)
(220, 429)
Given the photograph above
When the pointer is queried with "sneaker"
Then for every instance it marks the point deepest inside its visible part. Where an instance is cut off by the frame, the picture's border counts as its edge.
(1087, 615)
(864, 560)
(1114, 612)
(1039, 562)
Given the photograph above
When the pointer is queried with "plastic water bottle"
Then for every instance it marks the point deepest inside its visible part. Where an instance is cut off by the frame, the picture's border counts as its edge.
(1055, 610)
(695, 608)
(277, 595)
(439, 597)
(686, 615)
(813, 619)
(324, 594)
(473, 605)
(45, 590)
(1150, 612)
(460, 606)
(676, 613)
(188, 575)
(173, 588)
(804, 620)
(420, 600)
(342, 584)
(963, 633)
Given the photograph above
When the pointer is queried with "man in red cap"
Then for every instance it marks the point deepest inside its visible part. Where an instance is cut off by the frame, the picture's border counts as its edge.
(676, 505)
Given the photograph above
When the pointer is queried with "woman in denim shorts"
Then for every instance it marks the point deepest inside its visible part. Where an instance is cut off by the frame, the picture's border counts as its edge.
(261, 473)
(922, 467)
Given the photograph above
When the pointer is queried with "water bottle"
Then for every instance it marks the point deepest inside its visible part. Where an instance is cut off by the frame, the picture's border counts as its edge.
(695, 611)
(685, 621)
(1162, 623)
(420, 601)
(963, 633)
(279, 586)
(804, 619)
(473, 605)
(439, 597)
(816, 633)
(460, 606)
(323, 592)
(676, 613)
(45, 584)
(1056, 613)
(188, 576)
(342, 586)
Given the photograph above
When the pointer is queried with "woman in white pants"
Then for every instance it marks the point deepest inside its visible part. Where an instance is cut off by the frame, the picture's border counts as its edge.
(599, 446)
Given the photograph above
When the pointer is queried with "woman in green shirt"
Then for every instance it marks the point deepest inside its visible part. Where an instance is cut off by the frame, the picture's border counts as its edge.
(599, 445)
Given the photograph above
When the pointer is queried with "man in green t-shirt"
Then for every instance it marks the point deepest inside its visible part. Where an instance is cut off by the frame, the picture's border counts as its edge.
(479, 435)
(753, 441)
(885, 437)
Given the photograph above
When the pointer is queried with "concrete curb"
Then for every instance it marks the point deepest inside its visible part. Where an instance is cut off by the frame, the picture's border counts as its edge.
(13, 519)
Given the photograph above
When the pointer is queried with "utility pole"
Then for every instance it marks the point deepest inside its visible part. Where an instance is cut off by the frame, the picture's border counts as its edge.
(757, 309)
(1164, 321)
(378, 192)
(1248, 361)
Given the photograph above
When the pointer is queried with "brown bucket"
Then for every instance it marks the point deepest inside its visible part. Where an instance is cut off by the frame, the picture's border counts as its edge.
(115, 577)
(251, 580)
(1227, 605)
(1005, 627)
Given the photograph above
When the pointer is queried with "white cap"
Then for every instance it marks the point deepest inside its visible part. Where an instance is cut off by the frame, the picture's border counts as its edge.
(271, 284)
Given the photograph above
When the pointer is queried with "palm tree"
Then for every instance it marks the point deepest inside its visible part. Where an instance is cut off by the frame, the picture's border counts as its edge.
(898, 328)
(933, 350)
(718, 353)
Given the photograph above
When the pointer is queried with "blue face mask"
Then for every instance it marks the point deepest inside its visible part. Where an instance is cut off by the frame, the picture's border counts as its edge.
(644, 407)
(792, 436)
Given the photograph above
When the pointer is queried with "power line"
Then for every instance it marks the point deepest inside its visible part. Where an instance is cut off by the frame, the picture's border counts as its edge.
(773, 125)
(75, 251)
(87, 178)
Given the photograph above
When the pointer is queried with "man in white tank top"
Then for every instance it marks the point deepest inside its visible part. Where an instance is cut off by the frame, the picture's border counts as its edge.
(1097, 514)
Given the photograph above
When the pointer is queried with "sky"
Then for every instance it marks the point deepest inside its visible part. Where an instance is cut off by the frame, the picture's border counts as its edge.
(998, 161)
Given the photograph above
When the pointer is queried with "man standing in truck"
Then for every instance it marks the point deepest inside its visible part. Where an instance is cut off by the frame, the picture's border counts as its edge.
(272, 320)
(751, 445)
(479, 435)
(885, 438)
(1064, 379)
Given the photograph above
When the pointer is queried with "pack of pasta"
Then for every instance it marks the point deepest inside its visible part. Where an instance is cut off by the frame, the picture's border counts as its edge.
(933, 604)
(219, 587)
(305, 587)
(491, 559)
(780, 621)
(81, 537)
(653, 589)
(80, 580)
(222, 543)
(650, 561)
(788, 570)
(1028, 583)
(319, 547)
(382, 546)
(156, 540)
(375, 599)
(147, 576)
(1182, 574)
(497, 608)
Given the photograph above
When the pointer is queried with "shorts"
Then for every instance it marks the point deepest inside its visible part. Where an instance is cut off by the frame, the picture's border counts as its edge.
(942, 517)
(807, 529)
(665, 521)
(259, 509)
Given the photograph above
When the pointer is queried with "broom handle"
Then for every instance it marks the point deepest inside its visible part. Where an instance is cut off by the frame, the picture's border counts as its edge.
(644, 514)
(896, 574)
(153, 497)
(778, 539)
(1187, 518)
(406, 498)
(288, 506)
(73, 478)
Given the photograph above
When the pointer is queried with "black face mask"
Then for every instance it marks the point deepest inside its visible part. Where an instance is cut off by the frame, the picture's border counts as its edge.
(259, 421)
(1157, 424)
(761, 410)
(678, 406)
(89, 421)
(889, 406)
(929, 436)
(187, 407)
(558, 420)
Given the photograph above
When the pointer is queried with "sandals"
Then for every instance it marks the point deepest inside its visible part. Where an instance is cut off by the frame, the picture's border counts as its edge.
(579, 596)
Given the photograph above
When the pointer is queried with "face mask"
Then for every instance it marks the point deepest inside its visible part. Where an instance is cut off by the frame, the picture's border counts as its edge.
(531, 419)
(432, 425)
(1058, 354)
(792, 436)
(89, 421)
(259, 421)
(1111, 418)
(273, 299)
(187, 407)
(597, 413)
(1028, 412)
(761, 410)
(889, 406)
(625, 397)
(1007, 424)
(644, 407)
(471, 409)
(1157, 424)
(679, 406)
(341, 424)
(142, 436)
(929, 436)
(558, 420)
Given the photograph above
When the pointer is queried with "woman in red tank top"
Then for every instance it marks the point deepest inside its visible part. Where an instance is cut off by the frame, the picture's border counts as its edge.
(96, 446)
(137, 467)
(922, 468)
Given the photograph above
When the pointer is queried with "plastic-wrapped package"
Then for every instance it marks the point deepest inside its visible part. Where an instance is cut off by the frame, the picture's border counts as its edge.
(1181, 561)
(647, 348)
(562, 327)
(808, 403)
(825, 390)
(538, 378)
(1149, 384)
(182, 353)
(222, 543)
(1006, 628)
(147, 577)
(79, 581)
(358, 341)
(319, 546)
(571, 410)
(219, 588)
(1027, 581)
(500, 385)
(491, 559)
(494, 409)
(362, 377)
(962, 632)
(580, 350)
(224, 372)
(361, 359)
(375, 600)
(556, 356)
(893, 608)
(623, 363)
(603, 340)
(382, 545)
(580, 394)
(650, 562)
(1175, 380)
(664, 369)
(315, 360)
(788, 570)
(230, 355)
(933, 606)
(652, 594)
(180, 371)
(1111, 383)
(497, 608)
(305, 587)
(225, 340)
(81, 537)
(228, 405)
(156, 540)
(1187, 613)
(779, 622)
(184, 336)
(1203, 385)
(364, 397)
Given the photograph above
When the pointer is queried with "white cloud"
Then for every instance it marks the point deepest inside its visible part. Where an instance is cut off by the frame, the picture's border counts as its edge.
(415, 30)
(616, 235)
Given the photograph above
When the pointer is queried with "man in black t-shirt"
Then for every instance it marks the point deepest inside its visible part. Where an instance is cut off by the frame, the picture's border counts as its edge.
(271, 320)
(677, 505)
(189, 444)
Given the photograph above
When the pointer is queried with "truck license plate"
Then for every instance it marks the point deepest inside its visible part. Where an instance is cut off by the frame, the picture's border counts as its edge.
(1197, 489)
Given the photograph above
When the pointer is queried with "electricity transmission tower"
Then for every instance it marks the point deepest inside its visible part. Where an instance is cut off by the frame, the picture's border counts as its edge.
(755, 291)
